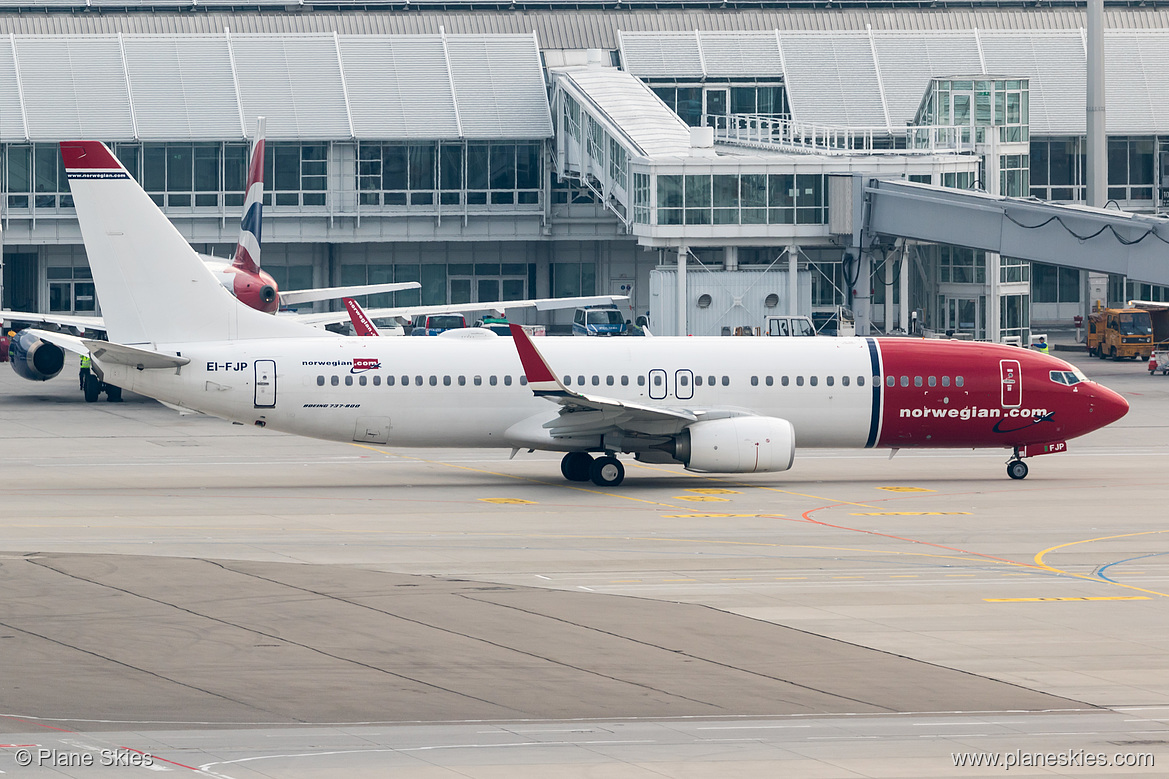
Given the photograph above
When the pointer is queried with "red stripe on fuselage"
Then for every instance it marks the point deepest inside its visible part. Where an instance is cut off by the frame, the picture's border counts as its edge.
(974, 414)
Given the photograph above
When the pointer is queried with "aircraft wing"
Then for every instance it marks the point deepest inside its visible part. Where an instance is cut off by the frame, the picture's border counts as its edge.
(501, 306)
(606, 414)
(331, 293)
(69, 343)
(79, 322)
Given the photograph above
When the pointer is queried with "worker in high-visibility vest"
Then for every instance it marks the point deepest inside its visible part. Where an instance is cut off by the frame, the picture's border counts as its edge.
(1040, 345)
(83, 374)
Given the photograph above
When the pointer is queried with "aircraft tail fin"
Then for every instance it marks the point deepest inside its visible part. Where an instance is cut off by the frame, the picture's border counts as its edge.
(152, 285)
(362, 325)
(247, 250)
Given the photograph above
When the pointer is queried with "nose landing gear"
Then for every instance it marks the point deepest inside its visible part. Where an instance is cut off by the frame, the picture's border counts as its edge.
(605, 471)
(1016, 468)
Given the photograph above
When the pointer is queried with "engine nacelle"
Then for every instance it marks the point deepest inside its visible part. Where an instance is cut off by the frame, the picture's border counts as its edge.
(737, 445)
(34, 359)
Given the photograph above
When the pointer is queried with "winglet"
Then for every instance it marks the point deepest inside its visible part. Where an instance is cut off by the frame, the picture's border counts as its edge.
(540, 377)
(361, 323)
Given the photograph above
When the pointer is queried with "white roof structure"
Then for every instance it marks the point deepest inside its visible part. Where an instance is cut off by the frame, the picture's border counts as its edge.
(631, 109)
(876, 78)
(309, 86)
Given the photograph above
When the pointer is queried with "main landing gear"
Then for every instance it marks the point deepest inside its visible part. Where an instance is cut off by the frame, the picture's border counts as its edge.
(605, 471)
(1016, 468)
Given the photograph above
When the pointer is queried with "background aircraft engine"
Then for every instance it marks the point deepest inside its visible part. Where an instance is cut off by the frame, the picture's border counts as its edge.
(737, 445)
(35, 359)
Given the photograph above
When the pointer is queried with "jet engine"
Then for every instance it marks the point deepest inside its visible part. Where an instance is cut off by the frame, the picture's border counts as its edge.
(34, 359)
(737, 445)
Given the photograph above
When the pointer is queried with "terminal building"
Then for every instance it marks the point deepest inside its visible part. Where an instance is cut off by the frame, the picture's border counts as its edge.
(682, 154)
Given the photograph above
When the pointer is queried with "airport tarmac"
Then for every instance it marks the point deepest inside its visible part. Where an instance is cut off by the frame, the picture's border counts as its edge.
(242, 603)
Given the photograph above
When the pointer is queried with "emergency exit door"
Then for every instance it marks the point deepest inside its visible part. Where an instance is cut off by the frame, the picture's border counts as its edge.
(265, 384)
(1012, 383)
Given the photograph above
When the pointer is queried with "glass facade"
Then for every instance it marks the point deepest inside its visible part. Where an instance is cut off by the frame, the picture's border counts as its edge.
(449, 174)
(960, 265)
(713, 103)
(1057, 169)
(1130, 168)
(1050, 284)
(979, 104)
(739, 199)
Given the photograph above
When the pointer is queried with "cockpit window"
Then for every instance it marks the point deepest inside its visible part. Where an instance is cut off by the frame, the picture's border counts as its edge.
(1068, 377)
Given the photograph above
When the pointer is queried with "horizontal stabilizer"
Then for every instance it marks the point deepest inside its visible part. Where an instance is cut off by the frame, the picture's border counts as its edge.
(332, 293)
(103, 351)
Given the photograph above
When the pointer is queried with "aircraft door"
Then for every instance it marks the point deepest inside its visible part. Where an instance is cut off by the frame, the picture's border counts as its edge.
(684, 384)
(657, 384)
(1012, 383)
(265, 384)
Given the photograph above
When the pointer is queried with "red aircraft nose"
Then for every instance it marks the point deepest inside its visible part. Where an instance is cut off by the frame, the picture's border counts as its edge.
(1106, 406)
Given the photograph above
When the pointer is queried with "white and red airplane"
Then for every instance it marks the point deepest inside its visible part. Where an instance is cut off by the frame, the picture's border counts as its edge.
(722, 405)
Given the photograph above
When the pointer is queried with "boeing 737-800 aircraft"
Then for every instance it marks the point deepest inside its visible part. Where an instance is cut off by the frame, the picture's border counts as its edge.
(723, 405)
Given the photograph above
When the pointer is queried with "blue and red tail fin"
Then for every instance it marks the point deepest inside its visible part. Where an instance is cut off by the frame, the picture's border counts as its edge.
(362, 325)
(247, 251)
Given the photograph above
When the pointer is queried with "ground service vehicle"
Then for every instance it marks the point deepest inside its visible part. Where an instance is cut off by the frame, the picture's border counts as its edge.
(1116, 333)
(789, 325)
(433, 324)
(598, 321)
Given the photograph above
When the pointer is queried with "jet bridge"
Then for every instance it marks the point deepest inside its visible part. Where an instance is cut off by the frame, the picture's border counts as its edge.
(1094, 239)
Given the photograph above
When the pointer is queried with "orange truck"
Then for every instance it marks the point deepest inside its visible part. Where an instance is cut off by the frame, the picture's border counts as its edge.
(1127, 333)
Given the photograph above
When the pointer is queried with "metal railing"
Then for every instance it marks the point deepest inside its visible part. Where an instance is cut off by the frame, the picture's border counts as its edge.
(773, 131)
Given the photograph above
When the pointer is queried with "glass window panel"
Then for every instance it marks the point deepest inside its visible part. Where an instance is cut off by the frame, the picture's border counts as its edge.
(206, 168)
(394, 166)
(669, 191)
(408, 272)
(19, 168)
(689, 105)
(565, 279)
(1140, 161)
(503, 166)
(433, 285)
(477, 154)
(451, 167)
(45, 159)
(698, 191)
(743, 100)
(1117, 165)
(528, 165)
(422, 158)
(285, 168)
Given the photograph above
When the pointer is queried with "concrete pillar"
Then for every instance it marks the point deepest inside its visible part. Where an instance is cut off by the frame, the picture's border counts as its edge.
(907, 250)
(994, 301)
(862, 293)
(793, 277)
(731, 258)
(1097, 148)
(683, 255)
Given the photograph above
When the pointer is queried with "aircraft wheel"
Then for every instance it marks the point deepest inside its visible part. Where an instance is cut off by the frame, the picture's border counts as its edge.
(92, 388)
(576, 466)
(1017, 469)
(113, 394)
(607, 471)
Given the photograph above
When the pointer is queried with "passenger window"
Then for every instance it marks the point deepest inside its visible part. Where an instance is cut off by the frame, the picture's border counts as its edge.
(697, 381)
(334, 380)
(462, 381)
(860, 380)
(945, 381)
(405, 381)
(567, 381)
(320, 381)
(890, 381)
(433, 380)
(418, 381)
(657, 380)
(904, 381)
(958, 381)
(609, 380)
(783, 380)
(523, 381)
(917, 381)
(446, 381)
(390, 381)
(754, 381)
(683, 379)
(932, 381)
(844, 381)
(769, 381)
(726, 381)
(492, 381)
(641, 381)
(829, 380)
(348, 381)
(377, 381)
(507, 380)
(710, 380)
(624, 381)
(477, 381)
(580, 380)
(361, 380)
(596, 380)
(799, 381)
(812, 380)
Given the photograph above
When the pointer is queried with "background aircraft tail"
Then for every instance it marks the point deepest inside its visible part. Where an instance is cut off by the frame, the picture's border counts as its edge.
(152, 286)
(247, 251)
